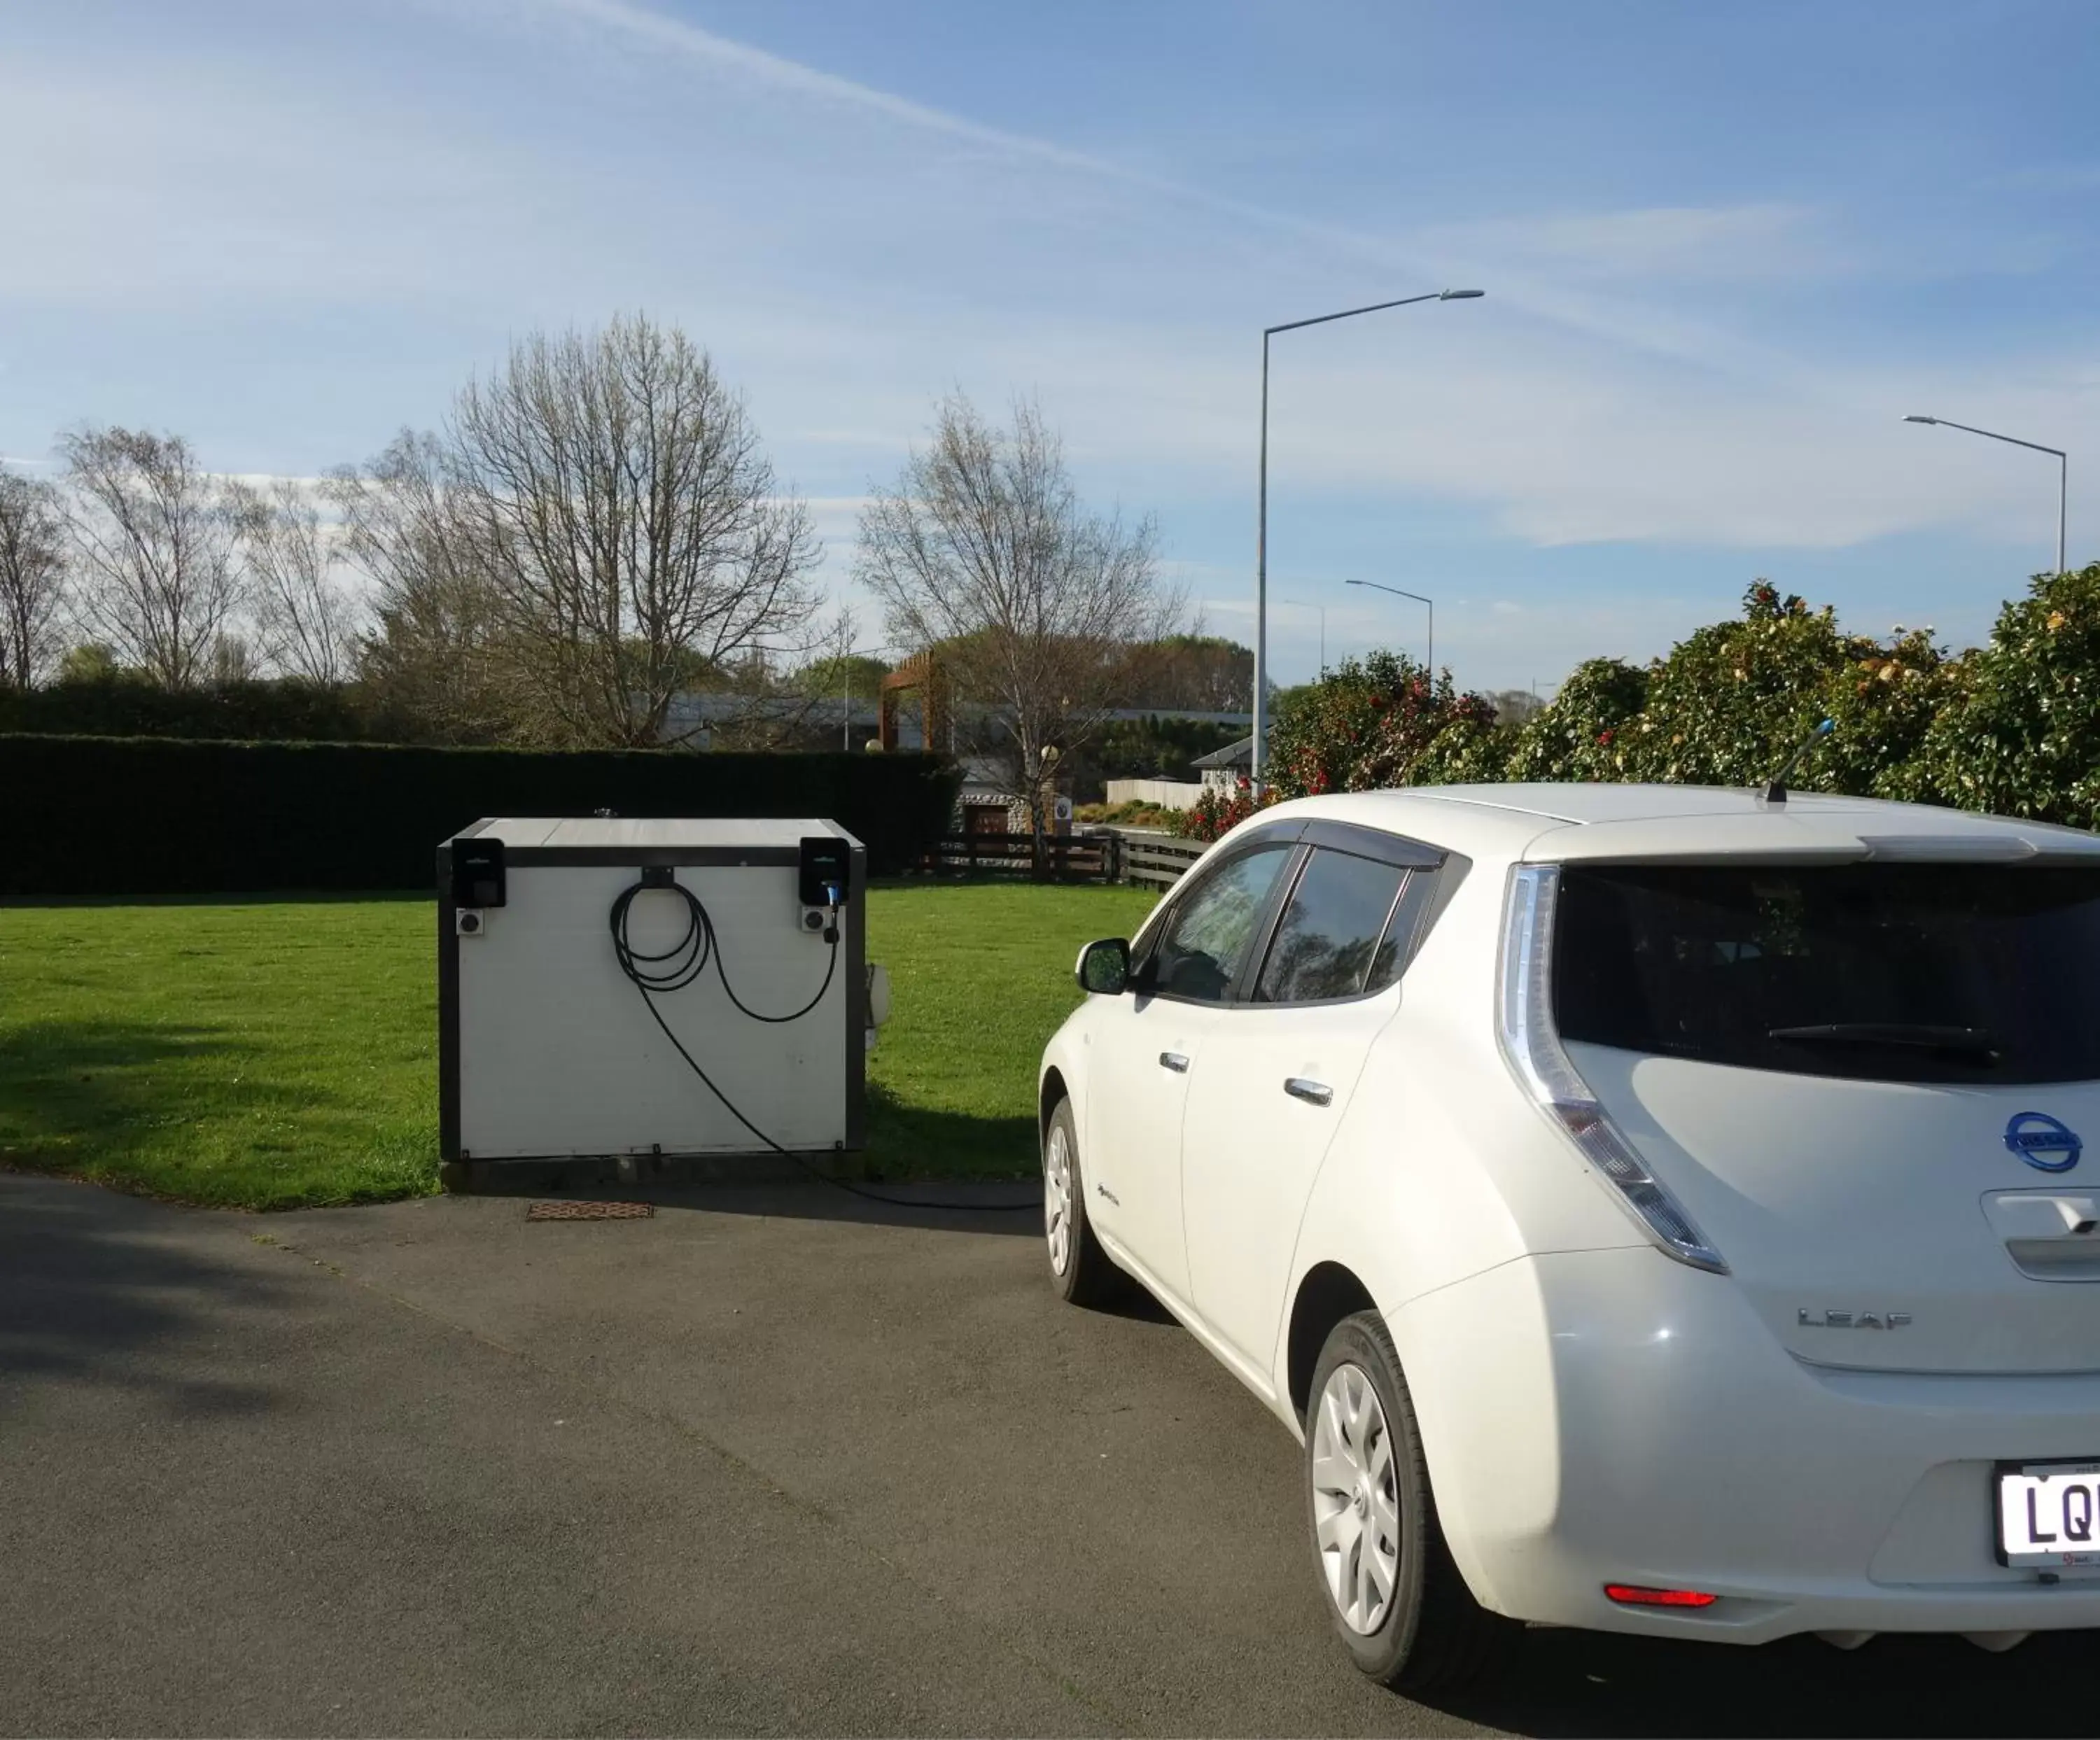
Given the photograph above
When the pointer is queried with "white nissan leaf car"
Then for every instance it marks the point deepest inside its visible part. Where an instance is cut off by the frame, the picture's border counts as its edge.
(1656, 1209)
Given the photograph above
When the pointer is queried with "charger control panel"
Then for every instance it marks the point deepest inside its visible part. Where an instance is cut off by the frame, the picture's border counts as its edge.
(822, 880)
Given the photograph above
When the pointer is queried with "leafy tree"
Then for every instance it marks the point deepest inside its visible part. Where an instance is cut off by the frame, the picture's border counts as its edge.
(1198, 672)
(860, 675)
(1153, 748)
(90, 662)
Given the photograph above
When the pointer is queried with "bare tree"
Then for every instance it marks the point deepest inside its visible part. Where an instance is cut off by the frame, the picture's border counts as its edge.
(32, 578)
(983, 551)
(631, 528)
(306, 621)
(431, 653)
(154, 545)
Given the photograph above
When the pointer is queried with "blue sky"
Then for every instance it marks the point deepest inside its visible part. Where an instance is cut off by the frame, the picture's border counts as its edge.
(1725, 248)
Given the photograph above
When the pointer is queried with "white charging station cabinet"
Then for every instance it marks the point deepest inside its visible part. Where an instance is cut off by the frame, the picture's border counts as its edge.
(547, 1048)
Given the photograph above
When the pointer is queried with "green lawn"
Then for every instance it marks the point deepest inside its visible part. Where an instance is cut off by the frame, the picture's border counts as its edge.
(282, 1053)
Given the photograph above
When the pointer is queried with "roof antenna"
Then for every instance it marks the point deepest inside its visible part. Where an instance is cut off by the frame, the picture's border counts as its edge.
(1775, 790)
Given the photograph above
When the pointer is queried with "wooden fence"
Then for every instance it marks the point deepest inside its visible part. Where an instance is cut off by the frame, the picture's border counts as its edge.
(1157, 861)
(1075, 857)
(1103, 855)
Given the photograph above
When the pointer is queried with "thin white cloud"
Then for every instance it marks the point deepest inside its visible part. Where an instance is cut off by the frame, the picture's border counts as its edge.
(1760, 240)
(1433, 259)
(655, 31)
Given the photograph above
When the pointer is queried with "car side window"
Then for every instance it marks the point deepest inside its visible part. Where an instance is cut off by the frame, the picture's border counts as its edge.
(1337, 937)
(1211, 930)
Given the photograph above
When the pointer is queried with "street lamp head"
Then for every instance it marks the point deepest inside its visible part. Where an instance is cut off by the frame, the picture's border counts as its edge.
(1922, 420)
(1458, 296)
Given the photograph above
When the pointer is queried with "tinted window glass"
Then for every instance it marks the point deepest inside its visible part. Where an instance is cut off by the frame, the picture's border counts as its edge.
(1208, 936)
(1889, 972)
(1331, 941)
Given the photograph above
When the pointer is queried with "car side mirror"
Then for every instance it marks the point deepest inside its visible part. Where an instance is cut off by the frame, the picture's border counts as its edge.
(1103, 966)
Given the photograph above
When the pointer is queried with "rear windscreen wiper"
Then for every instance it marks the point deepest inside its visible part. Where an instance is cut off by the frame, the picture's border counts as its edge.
(1976, 1042)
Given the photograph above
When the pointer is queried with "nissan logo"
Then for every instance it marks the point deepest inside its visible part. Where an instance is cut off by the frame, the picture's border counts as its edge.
(2046, 1143)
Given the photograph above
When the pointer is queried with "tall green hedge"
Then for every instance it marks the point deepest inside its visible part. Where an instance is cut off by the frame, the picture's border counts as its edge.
(277, 711)
(131, 816)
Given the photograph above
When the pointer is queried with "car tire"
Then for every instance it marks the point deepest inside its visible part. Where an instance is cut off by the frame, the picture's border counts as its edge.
(1429, 1634)
(1079, 1268)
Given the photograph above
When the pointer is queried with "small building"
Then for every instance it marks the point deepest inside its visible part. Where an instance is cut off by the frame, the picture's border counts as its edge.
(987, 803)
(1223, 769)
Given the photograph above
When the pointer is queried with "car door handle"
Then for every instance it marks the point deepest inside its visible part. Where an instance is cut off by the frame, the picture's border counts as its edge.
(1175, 1061)
(1313, 1092)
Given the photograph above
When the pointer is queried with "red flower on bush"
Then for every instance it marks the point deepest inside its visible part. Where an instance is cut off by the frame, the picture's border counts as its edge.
(1605, 735)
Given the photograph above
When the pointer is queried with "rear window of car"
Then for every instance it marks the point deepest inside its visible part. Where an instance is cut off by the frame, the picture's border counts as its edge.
(1897, 972)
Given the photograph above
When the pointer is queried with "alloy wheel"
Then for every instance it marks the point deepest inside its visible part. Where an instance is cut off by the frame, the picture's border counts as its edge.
(1058, 1198)
(1356, 1503)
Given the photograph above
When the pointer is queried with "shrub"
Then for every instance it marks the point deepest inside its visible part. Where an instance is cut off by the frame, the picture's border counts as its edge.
(1573, 737)
(1734, 700)
(1215, 814)
(1133, 813)
(1376, 722)
(2017, 728)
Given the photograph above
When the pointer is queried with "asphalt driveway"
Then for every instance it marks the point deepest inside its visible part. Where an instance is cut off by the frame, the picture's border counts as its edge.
(773, 1460)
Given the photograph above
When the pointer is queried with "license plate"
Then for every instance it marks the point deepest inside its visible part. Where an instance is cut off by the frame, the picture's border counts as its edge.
(2049, 1516)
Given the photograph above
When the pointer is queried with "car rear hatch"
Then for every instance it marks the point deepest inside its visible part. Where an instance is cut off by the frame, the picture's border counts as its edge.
(1865, 1076)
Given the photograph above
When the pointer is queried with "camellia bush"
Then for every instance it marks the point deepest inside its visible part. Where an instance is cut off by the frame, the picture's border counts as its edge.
(1374, 722)
(2012, 727)
(1369, 724)
(2018, 731)
(1215, 814)
(1576, 737)
(1733, 701)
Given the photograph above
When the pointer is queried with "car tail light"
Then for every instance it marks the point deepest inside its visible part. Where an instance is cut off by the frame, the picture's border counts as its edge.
(1533, 1049)
(1633, 1595)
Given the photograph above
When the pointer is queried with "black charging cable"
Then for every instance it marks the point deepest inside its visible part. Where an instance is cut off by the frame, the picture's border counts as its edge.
(683, 962)
(687, 959)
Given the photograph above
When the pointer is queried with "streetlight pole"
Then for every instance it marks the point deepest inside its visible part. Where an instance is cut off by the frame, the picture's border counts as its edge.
(2062, 467)
(1261, 510)
(1418, 597)
(1297, 604)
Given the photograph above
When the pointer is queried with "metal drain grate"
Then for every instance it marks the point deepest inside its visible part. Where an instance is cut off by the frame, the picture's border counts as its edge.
(589, 1211)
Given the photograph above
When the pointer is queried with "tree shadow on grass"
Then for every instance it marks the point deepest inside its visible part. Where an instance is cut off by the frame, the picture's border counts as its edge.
(118, 1103)
(78, 1092)
(101, 1289)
